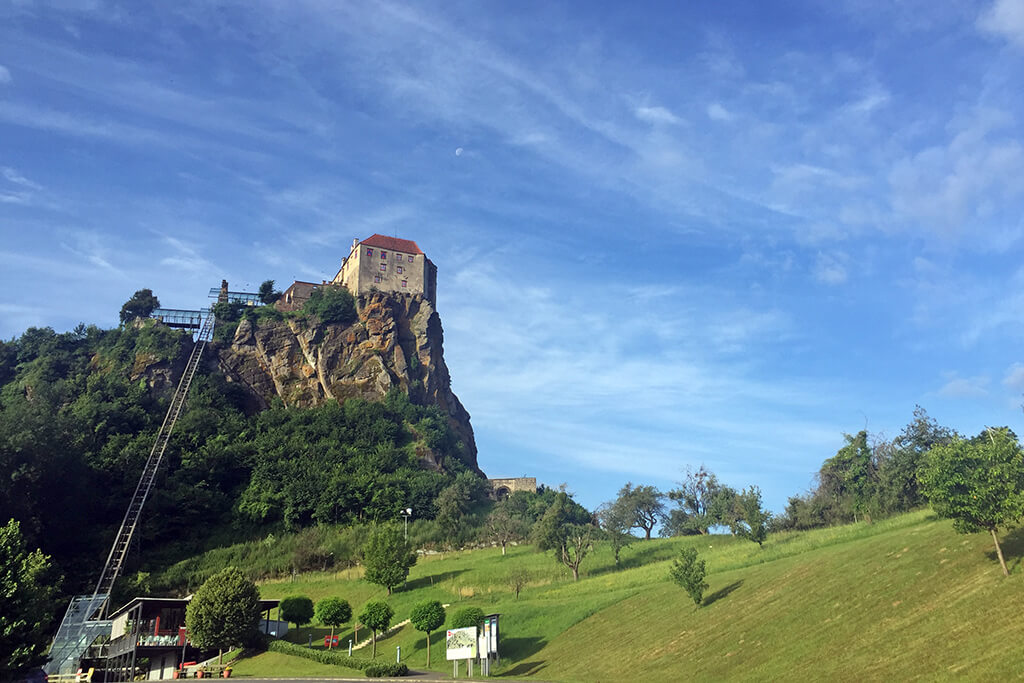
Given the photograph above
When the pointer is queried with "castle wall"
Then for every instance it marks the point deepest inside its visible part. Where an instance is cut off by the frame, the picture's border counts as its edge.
(503, 488)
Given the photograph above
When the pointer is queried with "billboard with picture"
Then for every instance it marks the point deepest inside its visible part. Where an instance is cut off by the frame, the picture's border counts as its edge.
(461, 643)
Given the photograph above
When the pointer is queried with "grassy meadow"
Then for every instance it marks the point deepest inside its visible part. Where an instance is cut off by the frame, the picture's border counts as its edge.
(902, 598)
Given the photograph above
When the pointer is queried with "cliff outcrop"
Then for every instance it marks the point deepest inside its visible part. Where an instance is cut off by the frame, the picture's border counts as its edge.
(397, 341)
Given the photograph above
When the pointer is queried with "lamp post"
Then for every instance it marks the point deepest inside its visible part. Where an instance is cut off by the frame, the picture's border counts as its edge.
(406, 513)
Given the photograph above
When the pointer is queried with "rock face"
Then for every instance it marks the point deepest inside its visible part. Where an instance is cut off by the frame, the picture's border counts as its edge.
(397, 341)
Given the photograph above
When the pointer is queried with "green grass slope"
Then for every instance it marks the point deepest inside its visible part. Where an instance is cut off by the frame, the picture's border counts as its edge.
(905, 598)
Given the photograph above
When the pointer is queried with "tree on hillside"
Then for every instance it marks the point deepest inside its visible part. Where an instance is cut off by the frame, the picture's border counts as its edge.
(297, 609)
(388, 556)
(456, 499)
(332, 304)
(901, 460)
(850, 477)
(333, 612)
(751, 520)
(701, 501)
(376, 615)
(140, 305)
(426, 617)
(979, 483)
(688, 571)
(267, 293)
(503, 526)
(616, 521)
(561, 531)
(224, 612)
(28, 587)
(517, 580)
(644, 504)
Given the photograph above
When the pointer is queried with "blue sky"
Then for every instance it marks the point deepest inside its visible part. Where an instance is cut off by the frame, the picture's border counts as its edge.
(667, 233)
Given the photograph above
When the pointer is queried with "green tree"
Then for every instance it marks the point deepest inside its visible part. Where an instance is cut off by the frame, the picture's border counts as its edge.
(297, 609)
(225, 611)
(688, 571)
(466, 617)
(701, 503)
(645, 506)
(504, 526)
(616, 521)
(561, 531)
(456, 500)
(333, 612)
(751, 519)
(426, 617)
(140, 305)
(517, 579)
(376, 615)
(979, 483)
(388, 556)
(267, 293)
(850, 477)
(902, 459)
(28, 586)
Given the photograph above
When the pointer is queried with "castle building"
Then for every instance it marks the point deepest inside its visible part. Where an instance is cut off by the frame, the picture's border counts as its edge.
(388, 264)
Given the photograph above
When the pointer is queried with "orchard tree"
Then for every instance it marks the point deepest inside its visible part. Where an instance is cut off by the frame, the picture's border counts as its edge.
(688, 571)
(701, 504)
(902, 460)
(426, 617)
(979, 483)
(140, 305)
(645, 506)
(850, 477)
(504, 526)
(388, 556)
(616, 521)
(225, 611)
(297, 609)
(751, 519)
(333, 612)
(517, 580)
(561, 530)
(377, 616)
(28, 587)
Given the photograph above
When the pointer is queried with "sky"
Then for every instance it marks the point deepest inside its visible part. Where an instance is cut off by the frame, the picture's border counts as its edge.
(667, 234)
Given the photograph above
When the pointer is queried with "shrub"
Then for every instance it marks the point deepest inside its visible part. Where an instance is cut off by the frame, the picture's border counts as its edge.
(339, 658)
(333, 305)
(466, 617)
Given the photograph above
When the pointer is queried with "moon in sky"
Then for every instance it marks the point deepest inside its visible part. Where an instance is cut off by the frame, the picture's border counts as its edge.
(458, 151)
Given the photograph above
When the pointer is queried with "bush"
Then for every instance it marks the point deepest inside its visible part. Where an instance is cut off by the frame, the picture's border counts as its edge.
(466, 617)
(333, 305)
(368, 666)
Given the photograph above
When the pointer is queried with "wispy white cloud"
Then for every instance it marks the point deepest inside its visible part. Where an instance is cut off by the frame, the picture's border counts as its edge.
(830, 268)
(1004, 18)
(1014, 378)
(964, 387)
(5, 75)
(657, 115)
(11, 175)
(716, 112)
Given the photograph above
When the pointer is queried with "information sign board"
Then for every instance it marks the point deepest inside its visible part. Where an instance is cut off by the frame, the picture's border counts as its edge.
(461, 643)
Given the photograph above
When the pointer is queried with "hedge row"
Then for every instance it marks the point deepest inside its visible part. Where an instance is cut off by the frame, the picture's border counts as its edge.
(371, 668)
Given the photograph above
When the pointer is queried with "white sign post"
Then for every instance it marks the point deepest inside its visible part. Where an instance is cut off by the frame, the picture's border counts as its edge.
(461, 644)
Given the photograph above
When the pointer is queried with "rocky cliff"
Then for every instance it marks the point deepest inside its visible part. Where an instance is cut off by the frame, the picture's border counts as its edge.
(397, 341)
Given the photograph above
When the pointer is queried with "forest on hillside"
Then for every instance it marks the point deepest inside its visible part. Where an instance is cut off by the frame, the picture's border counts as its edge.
(79, 412)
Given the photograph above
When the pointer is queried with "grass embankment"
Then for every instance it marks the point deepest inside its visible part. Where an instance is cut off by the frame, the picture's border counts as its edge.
(904, 598)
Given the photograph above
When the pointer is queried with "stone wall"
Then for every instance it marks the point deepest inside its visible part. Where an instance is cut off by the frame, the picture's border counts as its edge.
(503, 488)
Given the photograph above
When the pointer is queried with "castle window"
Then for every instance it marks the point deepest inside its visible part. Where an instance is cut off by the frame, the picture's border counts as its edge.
(369, 252)
(376, 278)
(383, 255)
(383, 266)
(405, 283)
(399, 270)
(410, 259)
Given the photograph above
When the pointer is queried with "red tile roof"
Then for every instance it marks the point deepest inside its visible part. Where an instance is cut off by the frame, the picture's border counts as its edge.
(392, 243)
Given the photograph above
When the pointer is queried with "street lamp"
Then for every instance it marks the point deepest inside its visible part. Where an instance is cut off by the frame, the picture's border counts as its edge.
(406, 513)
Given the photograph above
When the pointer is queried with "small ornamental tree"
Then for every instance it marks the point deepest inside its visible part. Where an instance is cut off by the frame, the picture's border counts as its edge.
(333, 612)
(466, 617)
(267, 293)
(297, 609)
(559, 530)
(387, 557)
(225, 611)
(688, 571)
(376, 615)
(140, 305)
(426, 617)
(979, 483)
(517, 580)
(28, 587)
